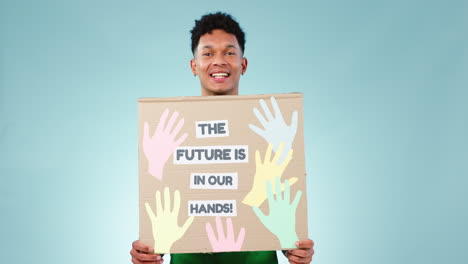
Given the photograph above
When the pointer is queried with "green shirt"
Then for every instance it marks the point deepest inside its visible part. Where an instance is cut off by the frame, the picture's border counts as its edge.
(247, 257)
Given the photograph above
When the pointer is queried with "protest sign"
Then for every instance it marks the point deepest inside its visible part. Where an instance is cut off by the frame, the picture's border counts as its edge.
(222, 173)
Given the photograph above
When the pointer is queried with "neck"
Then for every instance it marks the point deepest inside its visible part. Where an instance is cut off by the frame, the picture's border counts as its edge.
(205, 92)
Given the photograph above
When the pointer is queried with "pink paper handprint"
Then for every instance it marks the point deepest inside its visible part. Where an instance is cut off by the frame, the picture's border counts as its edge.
(162, 144)
(225, 243)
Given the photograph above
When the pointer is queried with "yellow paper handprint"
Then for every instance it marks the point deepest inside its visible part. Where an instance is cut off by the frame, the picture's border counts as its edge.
(267, 171)
(166, 229)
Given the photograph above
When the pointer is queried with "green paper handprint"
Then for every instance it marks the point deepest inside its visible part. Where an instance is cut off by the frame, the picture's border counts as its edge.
(165, 223)
(282, 218)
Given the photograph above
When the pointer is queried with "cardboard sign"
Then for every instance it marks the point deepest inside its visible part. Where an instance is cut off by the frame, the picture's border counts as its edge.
(222, 173)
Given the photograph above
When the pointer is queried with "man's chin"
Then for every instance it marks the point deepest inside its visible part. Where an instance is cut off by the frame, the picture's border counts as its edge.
(220, 91)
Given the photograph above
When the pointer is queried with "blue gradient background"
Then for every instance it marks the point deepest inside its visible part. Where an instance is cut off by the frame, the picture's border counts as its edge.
(386, 119)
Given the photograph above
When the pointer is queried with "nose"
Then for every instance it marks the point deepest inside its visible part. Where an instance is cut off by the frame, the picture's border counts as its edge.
(219, 59)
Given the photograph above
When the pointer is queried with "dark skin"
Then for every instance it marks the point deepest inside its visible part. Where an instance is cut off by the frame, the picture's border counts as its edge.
(142, 253)
(303, 254)
(219, 63)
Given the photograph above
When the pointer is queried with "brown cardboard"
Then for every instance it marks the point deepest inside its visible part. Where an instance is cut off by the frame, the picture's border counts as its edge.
(239, 113)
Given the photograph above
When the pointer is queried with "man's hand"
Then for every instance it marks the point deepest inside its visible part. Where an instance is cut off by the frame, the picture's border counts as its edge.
(142, 253)
(303, 254)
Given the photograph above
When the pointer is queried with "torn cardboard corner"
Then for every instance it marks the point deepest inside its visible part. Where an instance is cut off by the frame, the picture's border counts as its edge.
(222, 173)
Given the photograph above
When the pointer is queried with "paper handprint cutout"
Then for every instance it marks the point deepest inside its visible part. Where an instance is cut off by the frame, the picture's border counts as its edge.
(159, 147)
(228, 242)
(281, 220)
(275, 130)
(267, 171)
(165, 222)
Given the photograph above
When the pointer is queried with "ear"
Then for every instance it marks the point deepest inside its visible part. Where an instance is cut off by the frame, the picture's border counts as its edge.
(193, 66)
(244, 64)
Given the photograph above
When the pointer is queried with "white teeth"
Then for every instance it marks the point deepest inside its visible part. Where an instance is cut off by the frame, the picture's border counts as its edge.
(220, 75)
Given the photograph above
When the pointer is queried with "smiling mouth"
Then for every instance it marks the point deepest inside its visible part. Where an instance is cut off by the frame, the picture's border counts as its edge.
(219, 75)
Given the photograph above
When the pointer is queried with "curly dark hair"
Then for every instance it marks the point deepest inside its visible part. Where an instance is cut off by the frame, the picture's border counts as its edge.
(218, 20)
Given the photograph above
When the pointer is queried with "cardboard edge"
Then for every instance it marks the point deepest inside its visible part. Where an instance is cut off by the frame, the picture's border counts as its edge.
(218, 98)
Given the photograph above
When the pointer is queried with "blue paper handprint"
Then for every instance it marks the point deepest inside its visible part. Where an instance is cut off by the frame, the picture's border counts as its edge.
(282, 218)
(275, 129)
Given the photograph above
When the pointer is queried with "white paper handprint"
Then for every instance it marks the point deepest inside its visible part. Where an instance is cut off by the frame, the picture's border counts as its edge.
(275, 130)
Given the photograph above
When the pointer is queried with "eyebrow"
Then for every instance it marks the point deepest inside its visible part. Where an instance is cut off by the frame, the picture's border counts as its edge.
(227, 46)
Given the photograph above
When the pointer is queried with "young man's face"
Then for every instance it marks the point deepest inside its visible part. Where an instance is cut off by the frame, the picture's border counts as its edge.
(219, 63)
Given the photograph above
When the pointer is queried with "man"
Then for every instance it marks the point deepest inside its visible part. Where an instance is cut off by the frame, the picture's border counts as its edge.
(218, 48)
